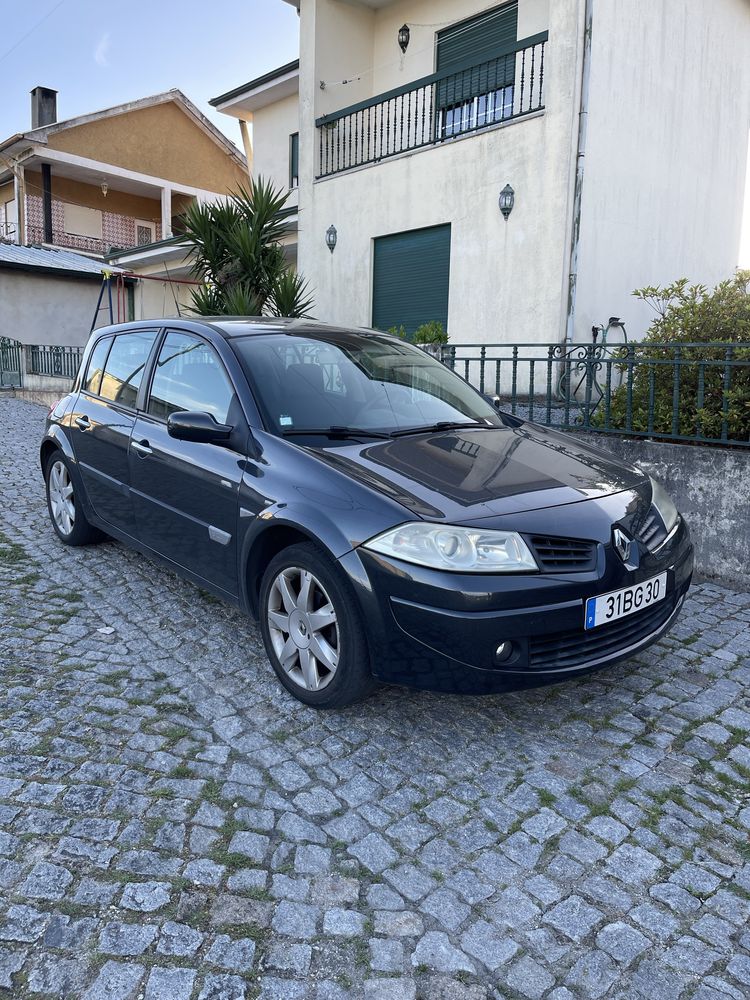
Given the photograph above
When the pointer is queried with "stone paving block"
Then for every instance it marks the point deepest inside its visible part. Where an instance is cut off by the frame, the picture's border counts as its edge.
(116, 981)
(436, 952)
(574, 917)
(169, 984)
(234, 956)
(146, 897)
(222, 987)
(529, 978)
(179, 940)
(118, 938)
(593, 974)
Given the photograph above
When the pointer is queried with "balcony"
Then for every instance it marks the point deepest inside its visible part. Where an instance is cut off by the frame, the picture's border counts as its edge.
(435, 109)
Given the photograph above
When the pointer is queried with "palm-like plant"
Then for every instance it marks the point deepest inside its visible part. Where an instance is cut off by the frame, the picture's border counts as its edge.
(236, 252)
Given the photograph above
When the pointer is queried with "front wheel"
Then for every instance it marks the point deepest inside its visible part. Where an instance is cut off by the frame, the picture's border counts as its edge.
(65, 509)
(312, 629)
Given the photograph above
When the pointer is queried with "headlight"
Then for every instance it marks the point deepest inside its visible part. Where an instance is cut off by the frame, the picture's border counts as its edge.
(467, 550)
(664, 504)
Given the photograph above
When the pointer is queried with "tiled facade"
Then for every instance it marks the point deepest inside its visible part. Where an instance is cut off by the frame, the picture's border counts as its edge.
(117, 230)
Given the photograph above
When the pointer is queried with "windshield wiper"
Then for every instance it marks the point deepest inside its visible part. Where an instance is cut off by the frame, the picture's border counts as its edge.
(333, 432)
(442, 425)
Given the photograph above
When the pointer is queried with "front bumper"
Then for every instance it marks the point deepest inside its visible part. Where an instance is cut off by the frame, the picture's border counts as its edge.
(440, 631)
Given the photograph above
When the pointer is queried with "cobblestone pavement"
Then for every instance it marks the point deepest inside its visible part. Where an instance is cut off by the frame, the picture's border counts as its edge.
(173, 825)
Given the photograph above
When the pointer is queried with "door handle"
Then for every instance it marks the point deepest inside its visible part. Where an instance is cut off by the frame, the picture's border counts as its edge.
(83, 422)
(141, 447)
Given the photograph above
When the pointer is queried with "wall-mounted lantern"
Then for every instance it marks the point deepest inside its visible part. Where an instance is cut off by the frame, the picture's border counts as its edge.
(506, 200)
(331, 238)
(105, 188)
(403, 37)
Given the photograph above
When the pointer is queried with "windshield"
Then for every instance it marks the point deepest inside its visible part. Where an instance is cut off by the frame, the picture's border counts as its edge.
(355, 380)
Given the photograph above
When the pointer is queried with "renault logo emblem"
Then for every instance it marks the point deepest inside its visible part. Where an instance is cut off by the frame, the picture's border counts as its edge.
(622, 544)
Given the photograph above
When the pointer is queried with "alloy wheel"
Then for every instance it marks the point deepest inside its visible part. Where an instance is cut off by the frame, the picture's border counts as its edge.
(304, 628)
(61, 498)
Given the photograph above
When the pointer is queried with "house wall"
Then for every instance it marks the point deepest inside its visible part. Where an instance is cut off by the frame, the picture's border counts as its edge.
(161, 141)
(44, 309)
(506, 279)
(666, 154)
(272, 127)
(156, 299)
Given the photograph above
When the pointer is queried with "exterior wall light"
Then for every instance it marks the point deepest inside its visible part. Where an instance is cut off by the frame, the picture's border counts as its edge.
(403, 37)
(105, 188)
(506, 199)
(331, 237)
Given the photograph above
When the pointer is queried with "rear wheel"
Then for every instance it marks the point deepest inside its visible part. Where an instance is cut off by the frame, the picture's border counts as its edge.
(312, 629)
(65, 509)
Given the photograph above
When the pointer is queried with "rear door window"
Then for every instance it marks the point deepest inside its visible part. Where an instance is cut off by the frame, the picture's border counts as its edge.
(96, 365)
(189, 376)
(123, 371)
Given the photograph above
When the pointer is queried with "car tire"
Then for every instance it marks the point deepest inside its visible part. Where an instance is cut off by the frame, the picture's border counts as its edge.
(312, 628)
(64, 506)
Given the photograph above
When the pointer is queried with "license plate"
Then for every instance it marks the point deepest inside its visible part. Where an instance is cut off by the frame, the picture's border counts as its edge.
(620, 603)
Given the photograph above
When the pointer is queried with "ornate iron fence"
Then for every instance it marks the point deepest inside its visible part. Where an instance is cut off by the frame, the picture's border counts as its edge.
(61, 362)
(10, 363)
(677, 392)
(435, 108)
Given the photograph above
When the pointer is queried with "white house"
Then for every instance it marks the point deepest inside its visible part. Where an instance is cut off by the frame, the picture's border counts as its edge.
(621, 127)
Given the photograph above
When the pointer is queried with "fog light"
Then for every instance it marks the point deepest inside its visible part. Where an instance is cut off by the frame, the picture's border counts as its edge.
(503, 652)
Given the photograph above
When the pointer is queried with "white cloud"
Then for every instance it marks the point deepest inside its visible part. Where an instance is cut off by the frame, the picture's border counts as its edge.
(102, 50)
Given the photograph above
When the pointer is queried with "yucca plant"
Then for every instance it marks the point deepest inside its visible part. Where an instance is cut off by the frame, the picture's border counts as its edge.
(236, 253)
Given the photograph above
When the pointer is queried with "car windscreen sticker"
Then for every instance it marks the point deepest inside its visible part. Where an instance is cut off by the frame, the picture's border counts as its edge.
(285, 421)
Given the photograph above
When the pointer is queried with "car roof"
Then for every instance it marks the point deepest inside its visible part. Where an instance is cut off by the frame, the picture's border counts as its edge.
(231, 327)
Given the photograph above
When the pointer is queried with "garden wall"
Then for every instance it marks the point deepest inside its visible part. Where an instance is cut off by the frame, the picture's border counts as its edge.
(711, 487)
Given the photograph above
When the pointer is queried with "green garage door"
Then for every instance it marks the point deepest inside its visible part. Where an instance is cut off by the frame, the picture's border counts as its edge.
(410, 278)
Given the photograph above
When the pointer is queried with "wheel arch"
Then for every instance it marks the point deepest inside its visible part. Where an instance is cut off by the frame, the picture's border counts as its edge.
(55, 440)
(262, 547)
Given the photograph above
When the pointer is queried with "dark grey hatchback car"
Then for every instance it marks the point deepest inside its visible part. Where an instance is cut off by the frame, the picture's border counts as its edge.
(379, 517)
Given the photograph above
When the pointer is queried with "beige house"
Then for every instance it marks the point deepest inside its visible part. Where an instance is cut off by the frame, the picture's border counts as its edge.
(512, 171)
(111, 182)
(114, 178)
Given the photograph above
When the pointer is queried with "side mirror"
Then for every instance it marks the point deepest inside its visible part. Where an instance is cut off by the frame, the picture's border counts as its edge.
(195, 425)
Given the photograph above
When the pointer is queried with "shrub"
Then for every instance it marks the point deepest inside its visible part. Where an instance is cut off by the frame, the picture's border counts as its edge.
(689, 314)
(431, 333)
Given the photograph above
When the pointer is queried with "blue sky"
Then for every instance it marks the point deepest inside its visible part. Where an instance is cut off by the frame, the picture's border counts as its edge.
(97, 54)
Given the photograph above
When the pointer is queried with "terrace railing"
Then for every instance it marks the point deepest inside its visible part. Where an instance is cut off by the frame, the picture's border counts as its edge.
(435, 108)
(676, 392)
(62, 362)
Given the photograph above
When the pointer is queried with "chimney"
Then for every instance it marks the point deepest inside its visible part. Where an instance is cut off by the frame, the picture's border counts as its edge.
(43, 107)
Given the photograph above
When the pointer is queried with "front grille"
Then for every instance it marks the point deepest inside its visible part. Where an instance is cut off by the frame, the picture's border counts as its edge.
(563, 555)
(578, 647)
(652, 532)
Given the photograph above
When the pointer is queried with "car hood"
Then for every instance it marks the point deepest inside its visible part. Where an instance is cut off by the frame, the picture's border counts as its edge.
(463, 475)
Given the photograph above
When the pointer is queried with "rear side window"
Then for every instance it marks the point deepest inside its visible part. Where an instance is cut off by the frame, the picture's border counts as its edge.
(124, 368)
(96, 365)
(189, 376)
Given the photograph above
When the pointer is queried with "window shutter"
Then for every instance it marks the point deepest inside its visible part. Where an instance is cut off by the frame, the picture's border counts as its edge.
(411, 275)
(476, 42)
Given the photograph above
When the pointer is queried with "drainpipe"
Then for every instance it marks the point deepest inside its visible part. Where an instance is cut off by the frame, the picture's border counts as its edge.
(583, 113)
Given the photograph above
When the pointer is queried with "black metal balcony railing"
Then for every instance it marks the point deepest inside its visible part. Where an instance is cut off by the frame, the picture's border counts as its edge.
(435, 108)
(56, 361)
